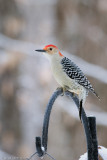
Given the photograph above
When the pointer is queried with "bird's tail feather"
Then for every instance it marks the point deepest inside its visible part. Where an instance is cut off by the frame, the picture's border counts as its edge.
(96, 95)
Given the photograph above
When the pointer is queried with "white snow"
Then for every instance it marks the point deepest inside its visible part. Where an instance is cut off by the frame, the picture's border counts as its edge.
(102, 152)
(83, 157)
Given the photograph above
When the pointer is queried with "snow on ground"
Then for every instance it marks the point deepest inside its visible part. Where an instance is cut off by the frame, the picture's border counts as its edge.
(102, 154)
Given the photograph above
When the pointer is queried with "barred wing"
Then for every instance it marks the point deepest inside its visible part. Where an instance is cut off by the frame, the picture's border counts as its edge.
(74, 72)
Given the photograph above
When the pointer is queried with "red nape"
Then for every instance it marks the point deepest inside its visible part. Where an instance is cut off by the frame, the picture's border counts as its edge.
(60, 54)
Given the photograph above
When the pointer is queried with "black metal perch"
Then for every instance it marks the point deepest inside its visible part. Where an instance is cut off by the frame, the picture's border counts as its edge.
(89, 128)
(58, 92)
(92, 125)
(41, 149)
(86, 126)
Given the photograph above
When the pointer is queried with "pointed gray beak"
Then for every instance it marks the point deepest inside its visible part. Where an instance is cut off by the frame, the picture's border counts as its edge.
(40, 50)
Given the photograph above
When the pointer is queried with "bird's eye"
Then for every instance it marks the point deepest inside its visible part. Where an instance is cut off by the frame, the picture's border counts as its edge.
(50, 49)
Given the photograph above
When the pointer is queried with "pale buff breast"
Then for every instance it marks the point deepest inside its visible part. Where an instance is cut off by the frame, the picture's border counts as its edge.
(63, 79)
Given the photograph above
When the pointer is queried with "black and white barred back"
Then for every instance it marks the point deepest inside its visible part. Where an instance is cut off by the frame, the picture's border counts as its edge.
(74, 72)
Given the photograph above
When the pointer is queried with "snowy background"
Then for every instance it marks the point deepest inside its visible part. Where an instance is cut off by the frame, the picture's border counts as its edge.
(79, 28)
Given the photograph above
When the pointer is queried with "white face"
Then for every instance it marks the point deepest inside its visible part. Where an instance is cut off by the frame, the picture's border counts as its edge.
(51, 52)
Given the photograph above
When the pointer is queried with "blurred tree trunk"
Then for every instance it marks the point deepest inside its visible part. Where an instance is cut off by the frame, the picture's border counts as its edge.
(10, 18)
(82, 29)
(10, 127)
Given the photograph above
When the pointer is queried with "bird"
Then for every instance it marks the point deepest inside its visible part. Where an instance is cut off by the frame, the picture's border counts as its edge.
(68, 74)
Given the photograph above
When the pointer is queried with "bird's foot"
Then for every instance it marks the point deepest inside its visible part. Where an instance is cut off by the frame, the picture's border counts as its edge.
(64, 90)
(58, 88)
(74, 94)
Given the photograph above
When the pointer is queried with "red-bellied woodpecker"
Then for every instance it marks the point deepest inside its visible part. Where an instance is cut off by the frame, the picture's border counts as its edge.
(68, 74)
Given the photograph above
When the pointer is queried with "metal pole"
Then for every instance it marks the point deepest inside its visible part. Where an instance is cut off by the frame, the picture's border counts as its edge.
(41, 142)
(47, 116)
(85, 124)
(92, 125)
(41, 145)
